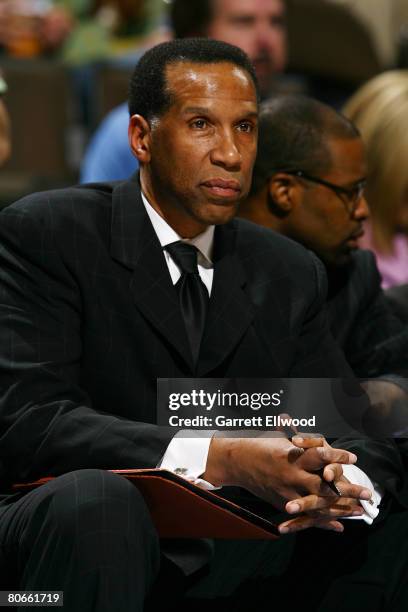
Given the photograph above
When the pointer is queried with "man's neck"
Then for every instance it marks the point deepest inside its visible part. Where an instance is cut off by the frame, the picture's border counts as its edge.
(255, 209)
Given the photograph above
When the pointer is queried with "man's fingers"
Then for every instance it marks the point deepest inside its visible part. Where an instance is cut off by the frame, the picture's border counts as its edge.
(307, 504)
(332, 472)
(340, 511)
(310, 460)
(313, 459)
(355, 491)
(305, 522)
(336, 455)
(306, 442)
(324, 506)
(312, 502)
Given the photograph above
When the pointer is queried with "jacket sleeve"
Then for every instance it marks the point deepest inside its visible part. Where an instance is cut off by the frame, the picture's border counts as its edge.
(48, 424)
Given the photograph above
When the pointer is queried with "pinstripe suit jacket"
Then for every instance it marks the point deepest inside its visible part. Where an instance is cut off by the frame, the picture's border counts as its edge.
(89, 319)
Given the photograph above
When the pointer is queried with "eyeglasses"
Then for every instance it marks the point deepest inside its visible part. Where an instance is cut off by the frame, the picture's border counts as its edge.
(352, 194)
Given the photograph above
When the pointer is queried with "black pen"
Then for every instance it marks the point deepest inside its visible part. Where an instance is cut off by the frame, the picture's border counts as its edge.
(330, 483)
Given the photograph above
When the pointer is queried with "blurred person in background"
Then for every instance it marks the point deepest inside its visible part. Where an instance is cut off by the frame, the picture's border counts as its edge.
(380, 110)
(29, 28)
(82, 34)
(112, 30)
(309, 184)
(76, 31)
(256, 26)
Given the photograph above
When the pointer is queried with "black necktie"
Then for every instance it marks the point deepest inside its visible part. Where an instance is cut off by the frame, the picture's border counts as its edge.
(193, 294)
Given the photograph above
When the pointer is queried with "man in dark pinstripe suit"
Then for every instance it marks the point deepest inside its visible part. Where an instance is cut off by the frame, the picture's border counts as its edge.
(90, 317)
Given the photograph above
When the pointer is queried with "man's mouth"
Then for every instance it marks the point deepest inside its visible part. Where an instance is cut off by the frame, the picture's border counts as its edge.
(263, 65)
(354, 238)
(224, 188)
(357, 234)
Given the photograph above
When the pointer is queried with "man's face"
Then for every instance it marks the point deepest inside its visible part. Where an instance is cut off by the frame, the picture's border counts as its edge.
(323, 221)
(258, 28)
(203, 148)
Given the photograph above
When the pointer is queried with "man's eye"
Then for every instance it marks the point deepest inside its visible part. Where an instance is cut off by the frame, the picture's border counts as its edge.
(277, 22)
(245, 126)
(199, 124)
(243, 21)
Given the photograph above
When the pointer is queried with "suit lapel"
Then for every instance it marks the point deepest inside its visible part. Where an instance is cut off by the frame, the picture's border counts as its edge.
(135, 245)
(230, 311)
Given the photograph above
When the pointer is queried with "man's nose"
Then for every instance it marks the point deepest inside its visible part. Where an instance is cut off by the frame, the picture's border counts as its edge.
(264, 35)
(362, 211)
(226, 152)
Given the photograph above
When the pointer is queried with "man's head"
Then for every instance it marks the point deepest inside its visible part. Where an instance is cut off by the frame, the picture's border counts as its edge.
(193, 128)
(308, 177)
(256, 26)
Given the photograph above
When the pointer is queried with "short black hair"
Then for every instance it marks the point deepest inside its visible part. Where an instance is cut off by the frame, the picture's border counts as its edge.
(149, 95)
(294, 131)
(191, 17)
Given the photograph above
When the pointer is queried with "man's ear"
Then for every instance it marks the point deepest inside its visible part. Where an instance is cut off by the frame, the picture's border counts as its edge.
(282, 189)
(139, 138)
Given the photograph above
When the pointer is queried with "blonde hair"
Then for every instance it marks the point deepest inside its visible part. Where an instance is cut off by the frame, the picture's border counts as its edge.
(380, 111)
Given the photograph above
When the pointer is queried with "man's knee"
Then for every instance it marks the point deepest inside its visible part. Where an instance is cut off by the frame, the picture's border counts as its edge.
(90, 501)
(88, 523)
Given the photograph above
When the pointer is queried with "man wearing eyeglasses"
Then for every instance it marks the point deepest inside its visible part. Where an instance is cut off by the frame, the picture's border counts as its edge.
(308, 184)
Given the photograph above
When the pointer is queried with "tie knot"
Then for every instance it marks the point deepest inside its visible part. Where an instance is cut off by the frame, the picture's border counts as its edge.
(185, 256)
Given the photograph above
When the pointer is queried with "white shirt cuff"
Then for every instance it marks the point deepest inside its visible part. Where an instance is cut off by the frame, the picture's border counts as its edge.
(358, 477)
(187, 456)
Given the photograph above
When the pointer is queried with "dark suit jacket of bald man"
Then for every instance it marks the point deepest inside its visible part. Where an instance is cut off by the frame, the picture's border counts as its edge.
(89, 319)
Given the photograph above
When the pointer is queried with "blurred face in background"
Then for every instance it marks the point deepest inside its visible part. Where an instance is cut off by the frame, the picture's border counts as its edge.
(258, 28)
(329, 223)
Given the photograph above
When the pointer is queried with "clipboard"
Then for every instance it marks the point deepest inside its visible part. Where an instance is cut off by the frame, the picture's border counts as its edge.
(181, 509)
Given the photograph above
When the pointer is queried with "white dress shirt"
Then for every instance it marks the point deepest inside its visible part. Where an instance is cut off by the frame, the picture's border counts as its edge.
(187, 456)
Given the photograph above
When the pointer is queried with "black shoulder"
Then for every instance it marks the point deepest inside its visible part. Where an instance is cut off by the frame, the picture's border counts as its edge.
(58, 221)
(273, 249)
(364, 273)
(267, 255)
(58, 201)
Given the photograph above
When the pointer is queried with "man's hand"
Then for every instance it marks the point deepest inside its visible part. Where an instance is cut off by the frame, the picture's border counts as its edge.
(326, 518)
(279, 470)
(321, 511)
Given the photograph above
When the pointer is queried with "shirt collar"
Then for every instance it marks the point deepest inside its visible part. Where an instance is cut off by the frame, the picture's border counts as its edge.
(204, 242)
